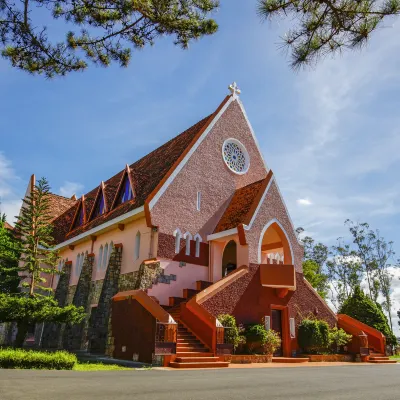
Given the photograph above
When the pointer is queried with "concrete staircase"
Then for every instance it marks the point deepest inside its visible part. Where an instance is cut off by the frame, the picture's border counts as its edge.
(190, 351)
(377, 358)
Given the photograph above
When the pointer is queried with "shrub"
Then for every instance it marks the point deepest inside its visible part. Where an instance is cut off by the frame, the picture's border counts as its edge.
(25, 359)
(313, 336)
(256, 337)
(272, 342)
(360, 307)
(232, 333)
(338, 337)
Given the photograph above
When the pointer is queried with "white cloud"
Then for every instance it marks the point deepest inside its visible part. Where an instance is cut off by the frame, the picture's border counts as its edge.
(10, 201)
(304, 202)
(68, 189)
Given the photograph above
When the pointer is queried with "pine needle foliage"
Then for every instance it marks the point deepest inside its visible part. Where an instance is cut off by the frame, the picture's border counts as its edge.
(10, 251)
(324, 27)
(35, 230)
(106, 30)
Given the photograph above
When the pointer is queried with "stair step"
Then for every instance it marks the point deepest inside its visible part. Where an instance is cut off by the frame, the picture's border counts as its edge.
(194, 354)
(219, 364)
(383, 361)
(377, 358)
(196, 359)
(201, 285)
(173, 301)
(189, 293)
(189, 347)
(189, 351)
(188, 340)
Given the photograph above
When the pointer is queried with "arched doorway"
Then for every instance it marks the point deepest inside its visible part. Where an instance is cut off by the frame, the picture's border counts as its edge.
(229, 258)
(274, 246)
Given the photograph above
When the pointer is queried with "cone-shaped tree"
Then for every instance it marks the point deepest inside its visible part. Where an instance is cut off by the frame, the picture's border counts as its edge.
(360, 307)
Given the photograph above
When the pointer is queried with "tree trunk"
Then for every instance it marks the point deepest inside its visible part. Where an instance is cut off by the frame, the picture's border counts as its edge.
(23, 327)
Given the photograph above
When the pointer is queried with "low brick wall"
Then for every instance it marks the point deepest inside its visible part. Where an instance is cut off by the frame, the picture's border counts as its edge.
(246, 359)
(331, 357)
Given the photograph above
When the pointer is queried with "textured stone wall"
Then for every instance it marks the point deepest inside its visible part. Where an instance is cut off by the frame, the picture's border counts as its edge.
(127, 281)
(52, 332)
(75, 335)
(99, 323)
(148, 274)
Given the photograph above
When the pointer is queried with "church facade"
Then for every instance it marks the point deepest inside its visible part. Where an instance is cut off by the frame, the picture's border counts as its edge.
(195, 229)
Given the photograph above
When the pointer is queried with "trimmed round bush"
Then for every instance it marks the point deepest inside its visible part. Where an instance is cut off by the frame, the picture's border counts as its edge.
(313, 336)
(26, 359)
(256, 336)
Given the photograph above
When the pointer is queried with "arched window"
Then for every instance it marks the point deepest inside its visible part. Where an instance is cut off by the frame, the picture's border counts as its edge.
(105, 256)
(78, 265)
(137, 246)
(198, 240)
(178, 237)
(188, 238)
(110, 249)
(100, 261)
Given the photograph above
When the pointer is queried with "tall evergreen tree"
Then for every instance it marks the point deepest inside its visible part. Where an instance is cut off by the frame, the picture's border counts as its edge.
(323, 27)
(35, 303)
(35, 232)
(10, 250)
(108, 30)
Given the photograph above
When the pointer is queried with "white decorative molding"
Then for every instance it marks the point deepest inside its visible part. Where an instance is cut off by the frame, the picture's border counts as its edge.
(222, 234)
(272, 221)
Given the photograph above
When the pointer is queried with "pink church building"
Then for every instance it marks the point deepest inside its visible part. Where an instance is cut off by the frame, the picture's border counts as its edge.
(195, 229)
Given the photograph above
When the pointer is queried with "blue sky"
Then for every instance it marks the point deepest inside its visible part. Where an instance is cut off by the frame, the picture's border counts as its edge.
(331, 134)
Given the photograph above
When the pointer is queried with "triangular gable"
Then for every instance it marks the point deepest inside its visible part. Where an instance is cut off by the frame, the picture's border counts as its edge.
(125, 191)
(185, 156)
(100, 203)
(80, 215)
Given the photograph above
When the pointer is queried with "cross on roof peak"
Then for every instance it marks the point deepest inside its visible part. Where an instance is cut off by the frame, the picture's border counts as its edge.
(234, 88)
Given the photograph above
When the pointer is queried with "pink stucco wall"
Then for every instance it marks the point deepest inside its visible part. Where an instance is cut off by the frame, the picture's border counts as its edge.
(273, 208)
(186, 279)
(207, 173)
(126, 237)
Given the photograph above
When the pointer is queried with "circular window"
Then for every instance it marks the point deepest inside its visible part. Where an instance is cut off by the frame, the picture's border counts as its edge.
(235, 156)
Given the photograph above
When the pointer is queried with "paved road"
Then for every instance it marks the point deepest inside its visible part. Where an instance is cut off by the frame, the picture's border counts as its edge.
(327, 383)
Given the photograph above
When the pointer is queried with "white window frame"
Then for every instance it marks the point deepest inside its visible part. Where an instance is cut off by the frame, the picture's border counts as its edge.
(188, 237)
(137, 245)
(198, 201)
(105, 256)
(292, 327)
(198, 240)
(267, 322)
(178, 237)
(100, 260)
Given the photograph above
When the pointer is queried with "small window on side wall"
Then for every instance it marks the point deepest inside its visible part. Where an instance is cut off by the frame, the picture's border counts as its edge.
(292, 325)
(198, 240)
(198, 202)
(178, 237)
(137, 246)
(100, 261)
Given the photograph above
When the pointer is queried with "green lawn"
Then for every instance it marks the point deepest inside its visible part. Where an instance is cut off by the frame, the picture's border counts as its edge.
(99, 367)
(395, 358)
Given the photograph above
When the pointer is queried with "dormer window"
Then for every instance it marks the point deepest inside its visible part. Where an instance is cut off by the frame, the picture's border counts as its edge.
(126, 192)
(80, 218)
(100, 206)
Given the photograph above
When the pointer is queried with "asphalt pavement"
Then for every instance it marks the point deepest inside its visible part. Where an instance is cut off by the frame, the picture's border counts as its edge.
(369, 382)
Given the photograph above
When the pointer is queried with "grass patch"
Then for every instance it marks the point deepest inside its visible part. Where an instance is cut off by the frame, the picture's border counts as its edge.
(99, 367)
(30, 359)
(395, 357)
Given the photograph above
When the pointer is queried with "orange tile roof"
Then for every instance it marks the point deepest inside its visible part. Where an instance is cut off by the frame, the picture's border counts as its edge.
(8, 226)
(243, 204)
(146, 174)
(59, 204)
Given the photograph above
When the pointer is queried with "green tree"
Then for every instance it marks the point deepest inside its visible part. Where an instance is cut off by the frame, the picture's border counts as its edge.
(37, 260)
(10, 251)
(108, 30)
(35, 230)
(344, 272)
(315, 257)
(324, 27)
(362, 308)
(318, 280)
